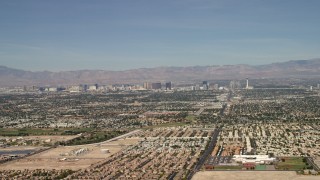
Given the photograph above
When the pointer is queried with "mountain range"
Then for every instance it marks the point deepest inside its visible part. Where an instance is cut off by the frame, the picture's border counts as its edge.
(289, 69)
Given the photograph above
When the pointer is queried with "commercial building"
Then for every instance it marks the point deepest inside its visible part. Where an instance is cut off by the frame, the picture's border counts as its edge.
(147, 85)
(247, 84)
(257, 159)
(168, 86)
(156, 85)
(205, 85)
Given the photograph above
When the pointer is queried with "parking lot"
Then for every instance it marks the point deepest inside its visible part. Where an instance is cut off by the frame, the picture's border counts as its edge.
(216, 160)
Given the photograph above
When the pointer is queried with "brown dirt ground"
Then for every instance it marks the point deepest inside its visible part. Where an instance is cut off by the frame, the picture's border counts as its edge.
(252, 175)
(53, 159)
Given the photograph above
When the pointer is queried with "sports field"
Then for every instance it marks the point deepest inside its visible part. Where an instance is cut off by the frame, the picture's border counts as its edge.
(291, 163)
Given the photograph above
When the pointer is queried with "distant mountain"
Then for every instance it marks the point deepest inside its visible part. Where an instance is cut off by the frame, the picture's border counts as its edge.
(290, 69)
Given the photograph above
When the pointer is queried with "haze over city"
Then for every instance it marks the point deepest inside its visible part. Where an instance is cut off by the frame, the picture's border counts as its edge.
(163, 90)
(61, 35)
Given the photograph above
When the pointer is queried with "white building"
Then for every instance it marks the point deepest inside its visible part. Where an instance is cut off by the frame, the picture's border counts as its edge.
(74, 89)
(92, 88)
(258, 159)
(52, 89)
(247, 84)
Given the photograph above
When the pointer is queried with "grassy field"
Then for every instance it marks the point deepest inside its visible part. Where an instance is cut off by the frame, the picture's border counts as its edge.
(94, 137)
(43, 131)
(260, 167)
(174, 124)
(291, 163)
(191, 118)
(227, 168)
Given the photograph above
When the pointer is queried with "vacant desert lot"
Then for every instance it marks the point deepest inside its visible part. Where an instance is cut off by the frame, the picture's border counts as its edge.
(63, 157)
(251, 175)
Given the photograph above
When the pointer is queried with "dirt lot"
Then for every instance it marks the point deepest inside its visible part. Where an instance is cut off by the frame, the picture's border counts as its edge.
(251, 175)
(65, 157)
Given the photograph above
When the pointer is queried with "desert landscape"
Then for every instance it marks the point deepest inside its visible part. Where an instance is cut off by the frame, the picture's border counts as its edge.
(70, 157)
(251, 175)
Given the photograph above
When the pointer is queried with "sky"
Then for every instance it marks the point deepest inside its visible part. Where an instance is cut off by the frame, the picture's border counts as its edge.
(60, 35)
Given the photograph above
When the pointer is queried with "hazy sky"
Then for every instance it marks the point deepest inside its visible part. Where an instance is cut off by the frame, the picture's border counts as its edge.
(124, 34)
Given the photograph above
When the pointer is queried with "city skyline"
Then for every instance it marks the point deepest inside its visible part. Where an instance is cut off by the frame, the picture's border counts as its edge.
(121, 35)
